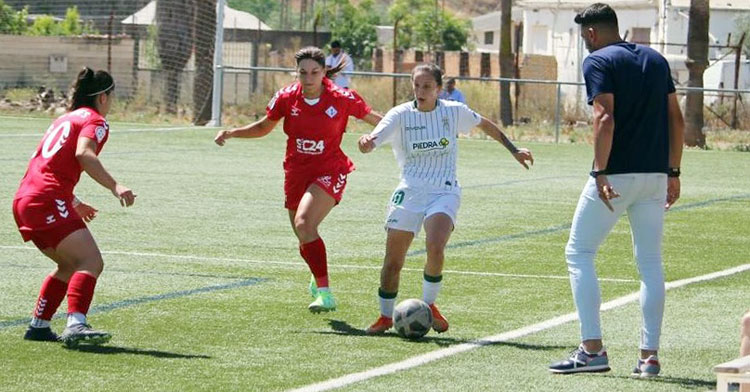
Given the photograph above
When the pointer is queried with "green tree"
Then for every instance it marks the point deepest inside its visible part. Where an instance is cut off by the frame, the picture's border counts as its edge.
(45, 25)
(354, 27)
(265, 10)
(71, 25)
(12, 22)
(422, 24)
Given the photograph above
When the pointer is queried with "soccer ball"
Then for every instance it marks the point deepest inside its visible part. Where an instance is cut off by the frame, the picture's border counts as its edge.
(412, 318)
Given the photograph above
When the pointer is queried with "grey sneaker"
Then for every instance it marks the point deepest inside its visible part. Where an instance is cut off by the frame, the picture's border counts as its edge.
(580, 361)
(83, 334)
(648, 367)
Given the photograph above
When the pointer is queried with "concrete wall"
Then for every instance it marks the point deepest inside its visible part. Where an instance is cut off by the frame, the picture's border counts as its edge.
(55, 61)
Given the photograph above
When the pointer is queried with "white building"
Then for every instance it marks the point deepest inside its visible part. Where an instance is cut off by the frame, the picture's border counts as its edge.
(485, 33)
(549, 29)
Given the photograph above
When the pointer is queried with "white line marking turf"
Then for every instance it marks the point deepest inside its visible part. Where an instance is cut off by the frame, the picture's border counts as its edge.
(503, 337)
(334, 266)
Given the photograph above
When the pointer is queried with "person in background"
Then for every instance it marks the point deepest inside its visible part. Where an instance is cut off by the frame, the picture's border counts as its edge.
(341, 62)
(451, 93)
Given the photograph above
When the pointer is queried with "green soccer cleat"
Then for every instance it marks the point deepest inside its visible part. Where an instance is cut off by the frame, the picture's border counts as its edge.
(313, 287)
(324, 302)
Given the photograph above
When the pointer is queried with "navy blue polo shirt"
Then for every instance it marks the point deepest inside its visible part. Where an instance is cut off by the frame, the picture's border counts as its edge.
(640, 79)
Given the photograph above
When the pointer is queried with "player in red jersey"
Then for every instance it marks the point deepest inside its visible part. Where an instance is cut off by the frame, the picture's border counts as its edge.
(48, 214)
(315, 113)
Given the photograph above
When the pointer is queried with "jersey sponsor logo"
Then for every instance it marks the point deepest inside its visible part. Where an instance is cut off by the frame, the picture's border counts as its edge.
(415, 128)
(55, 138)
(100, 132)
(310, 147)
(430, 145)
(331, 112)
(339, 183)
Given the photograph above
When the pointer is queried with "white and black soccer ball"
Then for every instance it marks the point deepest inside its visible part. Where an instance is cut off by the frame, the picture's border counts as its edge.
(412, 318)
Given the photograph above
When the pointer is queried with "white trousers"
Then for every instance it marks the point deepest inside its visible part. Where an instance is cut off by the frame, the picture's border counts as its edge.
(643, 196)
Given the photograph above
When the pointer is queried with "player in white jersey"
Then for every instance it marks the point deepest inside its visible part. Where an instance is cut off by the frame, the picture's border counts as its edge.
(423, 134)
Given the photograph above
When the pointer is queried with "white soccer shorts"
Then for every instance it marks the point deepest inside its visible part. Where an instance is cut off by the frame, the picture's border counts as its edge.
(411, 205)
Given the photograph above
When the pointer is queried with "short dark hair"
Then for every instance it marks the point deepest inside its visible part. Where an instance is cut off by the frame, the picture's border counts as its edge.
(335, 44)
(597, 14)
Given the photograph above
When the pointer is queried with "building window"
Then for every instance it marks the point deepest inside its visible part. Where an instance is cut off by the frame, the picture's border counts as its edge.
(489, 37)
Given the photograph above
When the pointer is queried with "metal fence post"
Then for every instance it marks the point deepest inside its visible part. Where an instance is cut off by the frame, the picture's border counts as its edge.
(218, 89)
(557, 114)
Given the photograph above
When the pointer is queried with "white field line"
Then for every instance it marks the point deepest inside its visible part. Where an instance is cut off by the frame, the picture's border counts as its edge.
(118, 131)
(503, 337)
(334, 266)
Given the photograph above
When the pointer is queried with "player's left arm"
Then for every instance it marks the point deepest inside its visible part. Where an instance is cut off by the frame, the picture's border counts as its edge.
(676, 141)
(604, 131)
(522, 155)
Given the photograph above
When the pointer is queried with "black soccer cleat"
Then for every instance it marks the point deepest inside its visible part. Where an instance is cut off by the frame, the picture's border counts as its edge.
(78, 334)
(41, 335)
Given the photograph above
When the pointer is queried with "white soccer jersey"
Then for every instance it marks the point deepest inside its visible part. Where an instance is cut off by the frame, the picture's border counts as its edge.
(425, 142)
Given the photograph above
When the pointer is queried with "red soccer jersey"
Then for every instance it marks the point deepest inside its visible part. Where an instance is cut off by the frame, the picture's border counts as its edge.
(53, 168)
(314, 132)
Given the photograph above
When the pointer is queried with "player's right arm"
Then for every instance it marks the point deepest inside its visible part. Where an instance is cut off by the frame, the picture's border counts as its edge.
(259, 128)
(383, 132)
(89, 161)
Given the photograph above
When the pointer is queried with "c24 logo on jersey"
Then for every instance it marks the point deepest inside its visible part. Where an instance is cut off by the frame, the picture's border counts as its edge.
(53, 143)
(310, 147)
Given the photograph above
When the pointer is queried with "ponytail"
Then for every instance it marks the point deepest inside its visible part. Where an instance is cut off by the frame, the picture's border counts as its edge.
(317, 55)
(88, 85)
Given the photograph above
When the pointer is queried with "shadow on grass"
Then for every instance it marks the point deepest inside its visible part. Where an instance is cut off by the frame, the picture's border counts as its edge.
(684, 382)
(135, 351)
(340, 327)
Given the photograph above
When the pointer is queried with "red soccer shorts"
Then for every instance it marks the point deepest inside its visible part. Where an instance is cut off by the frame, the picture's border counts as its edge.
(46, 220)
(333, 182)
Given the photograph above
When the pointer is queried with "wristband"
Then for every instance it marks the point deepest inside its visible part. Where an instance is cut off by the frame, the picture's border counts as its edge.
(596, 173)
(673, 172)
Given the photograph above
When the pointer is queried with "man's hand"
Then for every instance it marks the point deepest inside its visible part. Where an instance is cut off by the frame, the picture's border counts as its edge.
(673, 191)
(523, 155)
(606, 192)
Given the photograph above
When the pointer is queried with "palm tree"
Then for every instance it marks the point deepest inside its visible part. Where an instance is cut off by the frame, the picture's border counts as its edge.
(205, 31)
(506, 63)
(697, 61)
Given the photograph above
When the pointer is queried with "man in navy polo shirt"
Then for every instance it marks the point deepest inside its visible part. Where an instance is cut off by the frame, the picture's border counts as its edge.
(638, 137)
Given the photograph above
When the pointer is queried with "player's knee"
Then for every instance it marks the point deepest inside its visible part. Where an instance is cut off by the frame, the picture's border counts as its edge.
(305, 228)
(746, 324)
(392, 267)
